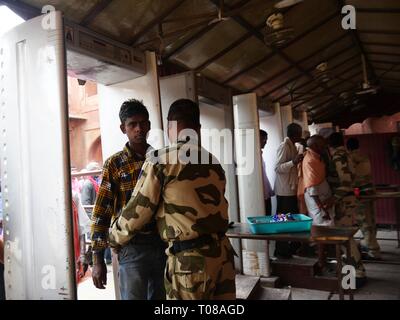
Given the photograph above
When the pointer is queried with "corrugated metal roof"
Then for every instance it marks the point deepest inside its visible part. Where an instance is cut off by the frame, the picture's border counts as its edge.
(224, 40)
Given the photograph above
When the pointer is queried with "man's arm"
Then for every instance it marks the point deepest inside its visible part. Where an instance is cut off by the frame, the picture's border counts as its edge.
(140, 208)
(283, 166)
(102, 212)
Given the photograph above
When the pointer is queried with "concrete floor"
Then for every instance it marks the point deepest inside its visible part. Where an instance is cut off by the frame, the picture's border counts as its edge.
(87, 290)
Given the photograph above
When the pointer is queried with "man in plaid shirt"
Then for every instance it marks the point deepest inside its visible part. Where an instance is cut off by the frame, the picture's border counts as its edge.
(142, 260)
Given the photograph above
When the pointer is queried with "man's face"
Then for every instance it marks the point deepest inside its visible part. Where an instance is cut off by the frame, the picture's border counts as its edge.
(297, 136)
(136, 128)
(263, 141)
(172, 131)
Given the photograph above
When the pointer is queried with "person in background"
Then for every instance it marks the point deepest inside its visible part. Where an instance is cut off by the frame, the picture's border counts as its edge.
(268, 191)
(81, 225)
(286, 182)
(316, 188)
(365, 216)
(142, 260)
(346, 203)
(90, 186)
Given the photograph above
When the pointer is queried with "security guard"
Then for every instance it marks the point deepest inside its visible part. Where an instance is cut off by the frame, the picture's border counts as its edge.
(183, 187)
(366, 216)
(346, 204)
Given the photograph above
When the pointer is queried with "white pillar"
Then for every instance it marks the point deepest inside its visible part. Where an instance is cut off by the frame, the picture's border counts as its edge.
(286, 118)
(250, 184)
(145, 88)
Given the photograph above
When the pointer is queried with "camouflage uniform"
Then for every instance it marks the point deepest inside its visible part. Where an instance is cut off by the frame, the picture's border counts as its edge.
(188, 202)
(365, 217)
(341, 179)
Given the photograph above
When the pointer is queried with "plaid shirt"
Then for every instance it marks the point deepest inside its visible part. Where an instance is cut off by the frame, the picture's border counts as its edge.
(120, 174)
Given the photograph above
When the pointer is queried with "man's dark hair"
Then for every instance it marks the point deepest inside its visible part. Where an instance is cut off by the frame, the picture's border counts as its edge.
(263, 134)
(352, 144)
(336, 140)
(293, 130)
(132, 107)
(185, 110)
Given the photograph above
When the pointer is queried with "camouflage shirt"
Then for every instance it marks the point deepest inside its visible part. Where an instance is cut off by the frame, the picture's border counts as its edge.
(186, 198)
(362, 169)
(341, 173)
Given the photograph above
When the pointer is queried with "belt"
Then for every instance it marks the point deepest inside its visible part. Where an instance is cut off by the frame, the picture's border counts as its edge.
(178, 246)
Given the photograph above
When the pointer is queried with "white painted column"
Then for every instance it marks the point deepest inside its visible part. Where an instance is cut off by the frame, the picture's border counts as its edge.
(145, 88)
(304, 120)
(249, 170)
(177, 86)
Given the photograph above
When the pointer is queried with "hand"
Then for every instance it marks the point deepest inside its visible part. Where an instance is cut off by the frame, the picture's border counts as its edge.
(297, 159)
(99, 275)
(116, 249)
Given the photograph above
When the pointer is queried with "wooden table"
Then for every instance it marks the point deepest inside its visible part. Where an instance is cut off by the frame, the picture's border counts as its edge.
(395, 195)
(319, 234)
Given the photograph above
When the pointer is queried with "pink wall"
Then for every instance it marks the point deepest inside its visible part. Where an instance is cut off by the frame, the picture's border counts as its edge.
(384, 124)
(85, 141)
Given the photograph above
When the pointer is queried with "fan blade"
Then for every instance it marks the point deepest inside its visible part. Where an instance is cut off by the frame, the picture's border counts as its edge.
(286, 3)
(174, 33)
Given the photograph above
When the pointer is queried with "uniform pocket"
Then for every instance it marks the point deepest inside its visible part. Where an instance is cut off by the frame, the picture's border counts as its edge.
(190, 272)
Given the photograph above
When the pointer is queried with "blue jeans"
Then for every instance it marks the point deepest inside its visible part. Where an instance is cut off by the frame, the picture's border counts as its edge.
(141, 271)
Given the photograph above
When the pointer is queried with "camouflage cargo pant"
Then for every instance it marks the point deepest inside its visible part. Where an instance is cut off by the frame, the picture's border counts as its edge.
(345, 210)
(207, 273)
(365, 219)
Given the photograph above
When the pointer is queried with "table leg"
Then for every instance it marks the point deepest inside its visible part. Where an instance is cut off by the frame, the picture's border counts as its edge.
(339, 271)
(241, 256)
(268, 262)
(348, 254)
(321, 256)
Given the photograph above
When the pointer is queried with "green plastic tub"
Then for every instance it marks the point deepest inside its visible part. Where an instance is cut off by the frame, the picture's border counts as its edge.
(265, 225)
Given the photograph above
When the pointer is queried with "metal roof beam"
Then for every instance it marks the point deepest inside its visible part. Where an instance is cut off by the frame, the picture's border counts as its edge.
(156, 21)
(94, 12)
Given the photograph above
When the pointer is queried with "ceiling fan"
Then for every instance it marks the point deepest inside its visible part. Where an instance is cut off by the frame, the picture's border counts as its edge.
(366, 87)
(276, 34)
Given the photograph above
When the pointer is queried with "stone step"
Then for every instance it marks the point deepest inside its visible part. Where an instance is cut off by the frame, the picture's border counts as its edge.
(245, 286)
(263, 293)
